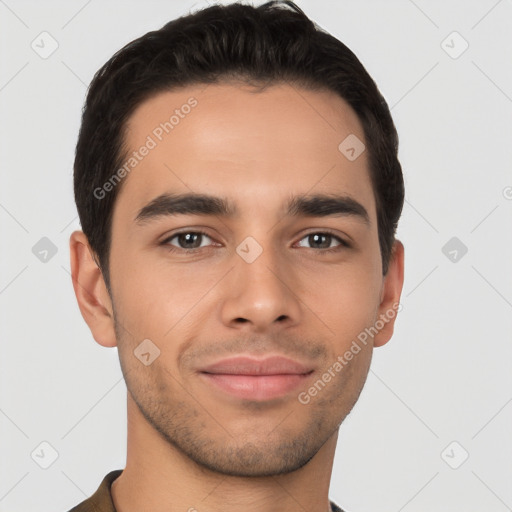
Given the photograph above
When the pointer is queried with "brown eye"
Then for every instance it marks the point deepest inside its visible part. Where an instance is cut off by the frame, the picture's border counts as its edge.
(187, 240)
(323, 240)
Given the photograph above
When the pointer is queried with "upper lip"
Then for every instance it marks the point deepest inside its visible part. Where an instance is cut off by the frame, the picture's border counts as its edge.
(245, 365)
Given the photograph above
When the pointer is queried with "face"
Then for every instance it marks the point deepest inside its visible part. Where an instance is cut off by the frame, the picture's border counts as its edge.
(257, 278)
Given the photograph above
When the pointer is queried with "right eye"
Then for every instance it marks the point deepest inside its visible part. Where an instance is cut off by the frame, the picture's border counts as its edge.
(187, 241)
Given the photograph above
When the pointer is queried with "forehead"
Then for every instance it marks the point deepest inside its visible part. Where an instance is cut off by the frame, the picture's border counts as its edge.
(228, 140)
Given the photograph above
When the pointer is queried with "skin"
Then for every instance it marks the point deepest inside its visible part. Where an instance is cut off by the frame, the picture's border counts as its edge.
(190, 445)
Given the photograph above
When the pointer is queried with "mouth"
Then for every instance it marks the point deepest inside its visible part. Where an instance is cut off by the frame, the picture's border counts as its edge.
(258, 380)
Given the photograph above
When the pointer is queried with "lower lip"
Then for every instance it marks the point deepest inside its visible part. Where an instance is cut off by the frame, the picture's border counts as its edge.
(256, 387)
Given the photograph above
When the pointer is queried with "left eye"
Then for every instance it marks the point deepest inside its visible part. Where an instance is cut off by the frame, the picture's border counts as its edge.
(319, 238)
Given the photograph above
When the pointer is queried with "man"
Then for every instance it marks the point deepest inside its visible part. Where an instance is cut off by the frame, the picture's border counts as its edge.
(238, 187)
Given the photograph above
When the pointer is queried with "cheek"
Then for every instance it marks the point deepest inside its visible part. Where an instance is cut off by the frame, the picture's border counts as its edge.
(155, 298)
(345, 300)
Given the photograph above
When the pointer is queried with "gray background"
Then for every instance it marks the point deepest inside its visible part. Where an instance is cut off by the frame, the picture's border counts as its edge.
(444, 377)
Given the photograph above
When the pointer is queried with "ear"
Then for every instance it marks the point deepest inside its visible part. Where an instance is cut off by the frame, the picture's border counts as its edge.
(390, 296)
(91, 291)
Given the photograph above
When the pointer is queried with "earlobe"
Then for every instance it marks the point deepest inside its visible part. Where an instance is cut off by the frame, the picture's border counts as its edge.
(91, 291)
(390, 296)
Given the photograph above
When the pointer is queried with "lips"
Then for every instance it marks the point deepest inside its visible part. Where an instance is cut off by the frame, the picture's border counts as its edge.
(257, 380)
(242, 365)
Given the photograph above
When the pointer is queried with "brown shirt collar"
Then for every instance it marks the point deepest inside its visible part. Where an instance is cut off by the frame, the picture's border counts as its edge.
(101, 500)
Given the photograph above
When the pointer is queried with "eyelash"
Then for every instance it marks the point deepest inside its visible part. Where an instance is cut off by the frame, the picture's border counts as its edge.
(171, 248)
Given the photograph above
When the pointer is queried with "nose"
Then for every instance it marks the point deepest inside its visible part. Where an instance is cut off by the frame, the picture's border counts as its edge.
(261, 294)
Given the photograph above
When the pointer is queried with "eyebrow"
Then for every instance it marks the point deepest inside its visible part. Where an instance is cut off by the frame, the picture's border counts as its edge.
(316, 205)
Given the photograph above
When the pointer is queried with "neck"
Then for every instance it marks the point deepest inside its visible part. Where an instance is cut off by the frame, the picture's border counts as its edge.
(159, 477)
